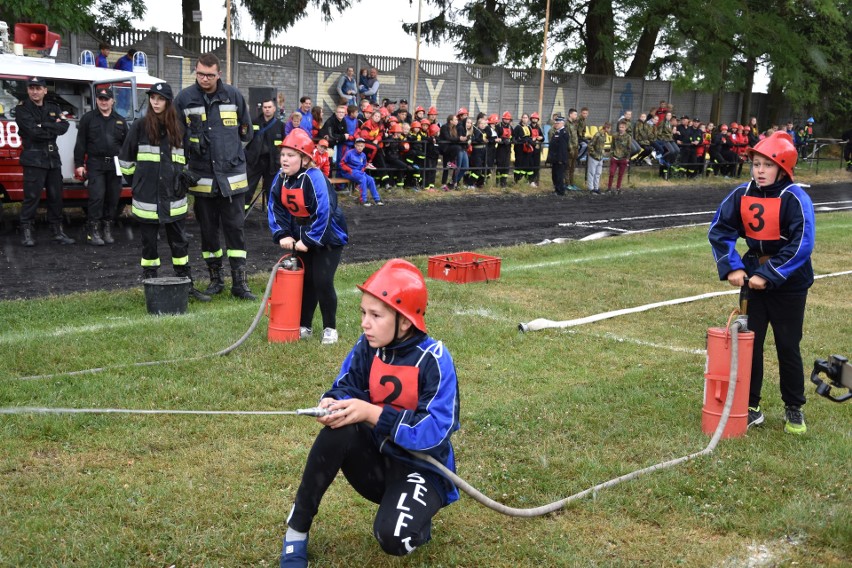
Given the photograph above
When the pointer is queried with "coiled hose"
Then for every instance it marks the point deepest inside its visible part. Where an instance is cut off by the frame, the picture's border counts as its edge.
(260, 311)
(555, 506)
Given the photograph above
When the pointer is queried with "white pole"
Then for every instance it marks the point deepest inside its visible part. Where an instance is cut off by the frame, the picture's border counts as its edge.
(417, 57)
(543, 60)
(228, 40)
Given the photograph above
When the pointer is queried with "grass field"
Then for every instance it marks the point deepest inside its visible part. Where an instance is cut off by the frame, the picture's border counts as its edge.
(544, 415)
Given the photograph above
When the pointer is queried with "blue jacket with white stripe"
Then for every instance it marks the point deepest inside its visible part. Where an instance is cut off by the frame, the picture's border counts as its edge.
(428, 427)
(784, 258)
(326, 225)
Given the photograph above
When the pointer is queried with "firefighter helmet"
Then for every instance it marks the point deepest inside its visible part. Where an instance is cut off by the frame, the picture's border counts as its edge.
(396, 128)
(434, 129)
(778, 148)
(419, 108)
(723, 127)
(507, 115)
(493, 119)
(300, 141)
(415, 124)
(401, 286)
(534, 116)
(462, 112)
(432, 110)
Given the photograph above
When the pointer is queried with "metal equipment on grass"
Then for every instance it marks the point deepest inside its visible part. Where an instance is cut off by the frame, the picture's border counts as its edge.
(839, 373)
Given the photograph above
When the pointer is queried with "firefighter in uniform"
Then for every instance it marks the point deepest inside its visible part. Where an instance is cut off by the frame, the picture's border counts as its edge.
(262, 152)
(537, 135)
(100, 135)
(154, 162)
(218, 124)
(40, 123)
(523, 144)
(503, 154)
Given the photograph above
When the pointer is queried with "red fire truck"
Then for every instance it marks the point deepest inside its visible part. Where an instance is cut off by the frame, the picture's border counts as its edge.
(70, 86)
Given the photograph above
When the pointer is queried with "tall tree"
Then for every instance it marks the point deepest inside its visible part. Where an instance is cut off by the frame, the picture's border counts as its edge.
(73, 15)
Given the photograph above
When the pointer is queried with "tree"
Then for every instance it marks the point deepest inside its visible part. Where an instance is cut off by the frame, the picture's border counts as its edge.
(74, 15)
(274, 16)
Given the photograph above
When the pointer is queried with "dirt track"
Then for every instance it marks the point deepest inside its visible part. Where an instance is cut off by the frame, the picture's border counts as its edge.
(402, 228)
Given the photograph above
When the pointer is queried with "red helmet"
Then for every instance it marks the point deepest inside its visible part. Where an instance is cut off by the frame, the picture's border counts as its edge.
(400, 285)
(462, 111)
(723, 127)
(432, 110)
(395, 128)
(778, 148)
(434, 129)
(424, 122)
(493, 119)
(384, 112)
(507, 115)
(734, 126)
(415, 124)
(534, 116)
(300, 141)
(392, 119)
(368, 109)
(419, 108)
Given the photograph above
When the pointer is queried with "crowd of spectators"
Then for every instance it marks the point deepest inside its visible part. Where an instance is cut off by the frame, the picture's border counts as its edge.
(403, 149)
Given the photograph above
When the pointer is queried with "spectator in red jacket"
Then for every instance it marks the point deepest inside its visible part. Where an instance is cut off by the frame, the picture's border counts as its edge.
(321, 157)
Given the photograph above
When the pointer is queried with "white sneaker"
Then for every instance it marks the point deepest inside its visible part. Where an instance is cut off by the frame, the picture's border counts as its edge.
(329, 336)
(305, 333)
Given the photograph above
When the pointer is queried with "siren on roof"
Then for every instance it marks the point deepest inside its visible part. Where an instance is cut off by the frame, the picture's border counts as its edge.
(140, 62)
(87, 58)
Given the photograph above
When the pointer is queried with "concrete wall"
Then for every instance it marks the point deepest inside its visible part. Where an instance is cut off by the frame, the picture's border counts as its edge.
(296, 72)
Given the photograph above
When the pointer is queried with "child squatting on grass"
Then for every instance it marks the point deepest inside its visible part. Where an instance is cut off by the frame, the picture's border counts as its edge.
(776, 218)
(396, 391)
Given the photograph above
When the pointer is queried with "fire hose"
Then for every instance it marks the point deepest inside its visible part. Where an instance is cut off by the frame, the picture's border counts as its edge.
(735, 327)
(258, 316)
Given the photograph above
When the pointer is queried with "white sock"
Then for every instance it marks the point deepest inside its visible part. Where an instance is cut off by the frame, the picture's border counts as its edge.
(295, 536)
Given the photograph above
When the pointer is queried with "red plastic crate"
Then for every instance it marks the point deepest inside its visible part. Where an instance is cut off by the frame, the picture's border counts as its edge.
(464, 267)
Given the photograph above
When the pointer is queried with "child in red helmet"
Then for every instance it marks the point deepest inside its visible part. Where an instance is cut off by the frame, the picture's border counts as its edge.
(304, 216)
(321, 157)
(396, 391)
(776, 218)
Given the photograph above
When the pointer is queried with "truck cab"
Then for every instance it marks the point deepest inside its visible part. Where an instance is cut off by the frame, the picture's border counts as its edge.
(72, 87)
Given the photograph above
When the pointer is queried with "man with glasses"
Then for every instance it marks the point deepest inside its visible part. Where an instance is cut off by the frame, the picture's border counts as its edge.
(218, 125)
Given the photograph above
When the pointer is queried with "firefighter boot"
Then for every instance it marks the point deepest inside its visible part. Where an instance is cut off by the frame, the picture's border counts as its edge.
(93, 235)
(149, 272)
(27, 238)
(217, 281)
(59, 235)
(194, 293)
(107, 233)
(239, 286)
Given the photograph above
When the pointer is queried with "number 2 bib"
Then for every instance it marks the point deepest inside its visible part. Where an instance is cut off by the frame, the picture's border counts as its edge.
(761, 217)
(393, 384)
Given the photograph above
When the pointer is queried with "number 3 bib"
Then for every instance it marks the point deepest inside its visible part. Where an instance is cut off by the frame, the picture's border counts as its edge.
(394, 385)
(761, 217)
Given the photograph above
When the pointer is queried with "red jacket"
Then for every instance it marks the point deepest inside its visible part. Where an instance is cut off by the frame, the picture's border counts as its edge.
(322, 161)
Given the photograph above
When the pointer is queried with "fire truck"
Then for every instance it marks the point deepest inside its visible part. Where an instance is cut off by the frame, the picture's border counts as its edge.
(72, 87)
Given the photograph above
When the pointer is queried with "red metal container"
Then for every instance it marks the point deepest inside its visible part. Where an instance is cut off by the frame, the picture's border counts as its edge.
(285, 302)
(464, 267)
(717, 378)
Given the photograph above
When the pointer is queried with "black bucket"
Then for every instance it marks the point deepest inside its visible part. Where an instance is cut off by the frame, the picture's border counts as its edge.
(167, 295)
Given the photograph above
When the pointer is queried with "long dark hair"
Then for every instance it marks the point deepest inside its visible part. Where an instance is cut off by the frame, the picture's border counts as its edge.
(153, 123)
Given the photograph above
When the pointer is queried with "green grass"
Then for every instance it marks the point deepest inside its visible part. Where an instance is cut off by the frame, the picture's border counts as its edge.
(544, 415)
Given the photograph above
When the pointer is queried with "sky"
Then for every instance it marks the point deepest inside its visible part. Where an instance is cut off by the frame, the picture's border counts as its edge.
(345, 34)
